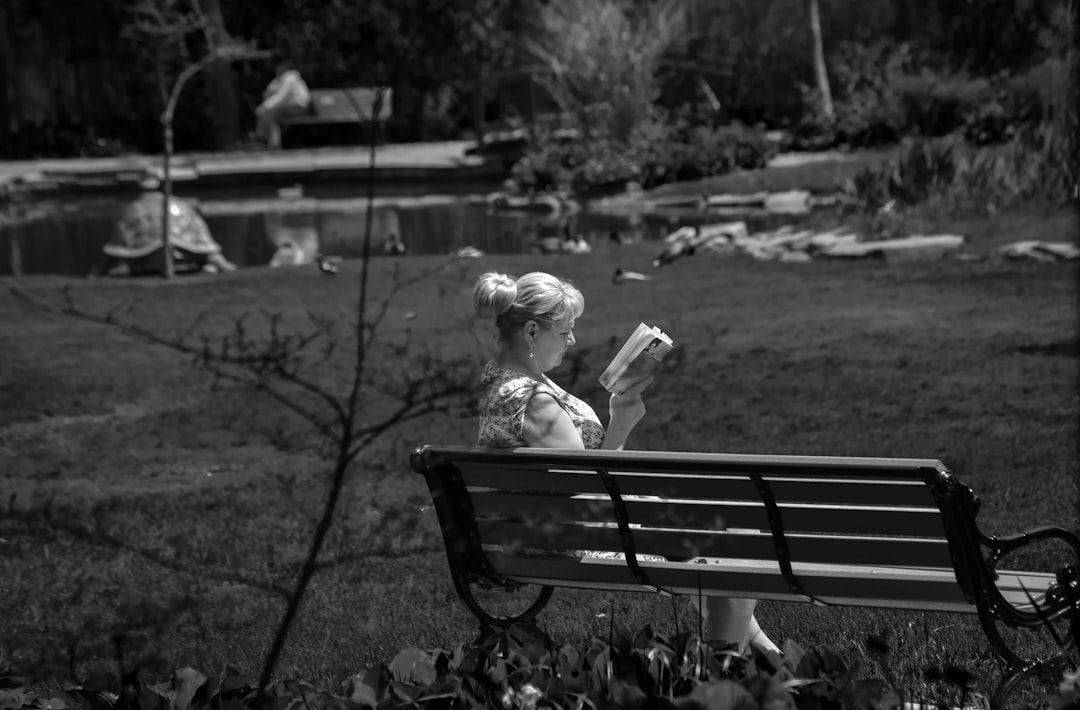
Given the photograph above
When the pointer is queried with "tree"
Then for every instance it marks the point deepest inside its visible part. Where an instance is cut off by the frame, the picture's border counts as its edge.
(299, 368)
(753, 53)
(604, 54)
(172, 22)
(820, 69)
(5, 51)
(221, 90)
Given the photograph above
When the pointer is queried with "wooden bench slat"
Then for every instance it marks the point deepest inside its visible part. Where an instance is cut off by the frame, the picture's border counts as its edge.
(675, 544)
(682, 461)
(354, 105)
(711, 515)
(845, 585)
(846, 489)
(934, 590)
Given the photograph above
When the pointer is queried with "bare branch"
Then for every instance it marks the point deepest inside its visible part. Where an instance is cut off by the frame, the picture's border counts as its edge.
(100, 538)
(230, 51)
(414, 407)
(397, 286)
(200, 20)
(281, 398)
(154, 18)
(378, 553)
(258, 365)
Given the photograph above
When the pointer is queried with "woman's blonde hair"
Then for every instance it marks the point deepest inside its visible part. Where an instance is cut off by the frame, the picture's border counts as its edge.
(535, 296)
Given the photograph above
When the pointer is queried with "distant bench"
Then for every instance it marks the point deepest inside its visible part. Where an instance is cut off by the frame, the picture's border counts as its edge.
(863, 532)
(337, 106)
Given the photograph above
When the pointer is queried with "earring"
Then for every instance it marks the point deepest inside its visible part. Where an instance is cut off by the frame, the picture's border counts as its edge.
(530, 351)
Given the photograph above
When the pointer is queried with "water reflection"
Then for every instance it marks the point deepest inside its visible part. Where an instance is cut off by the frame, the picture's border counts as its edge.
(66, 237)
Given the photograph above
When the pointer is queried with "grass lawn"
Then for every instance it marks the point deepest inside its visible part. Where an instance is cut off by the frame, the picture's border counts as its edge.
(140, 495)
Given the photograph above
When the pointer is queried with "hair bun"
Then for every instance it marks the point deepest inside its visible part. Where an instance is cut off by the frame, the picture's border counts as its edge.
(494, 293)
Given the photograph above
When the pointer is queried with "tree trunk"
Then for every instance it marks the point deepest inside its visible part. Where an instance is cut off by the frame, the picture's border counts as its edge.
(902, 23)
(478, 112)
(819, 60)
(220, 81)
(166, 194)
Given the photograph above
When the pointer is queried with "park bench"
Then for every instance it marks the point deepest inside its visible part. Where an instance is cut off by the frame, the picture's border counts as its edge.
(330, 106)
(864, 532)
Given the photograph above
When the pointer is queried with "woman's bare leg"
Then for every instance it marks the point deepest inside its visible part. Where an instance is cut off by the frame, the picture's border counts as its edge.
(732, 620)
(759, 638)
(728, 619)
(266, 125)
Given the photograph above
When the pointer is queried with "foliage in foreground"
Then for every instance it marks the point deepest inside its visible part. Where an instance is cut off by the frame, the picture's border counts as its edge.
(521, 668)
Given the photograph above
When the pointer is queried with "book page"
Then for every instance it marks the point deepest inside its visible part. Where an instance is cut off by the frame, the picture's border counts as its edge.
(636, 360)
(638, 369)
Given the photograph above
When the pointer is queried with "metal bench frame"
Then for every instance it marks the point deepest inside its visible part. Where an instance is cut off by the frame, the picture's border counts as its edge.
(973, 554)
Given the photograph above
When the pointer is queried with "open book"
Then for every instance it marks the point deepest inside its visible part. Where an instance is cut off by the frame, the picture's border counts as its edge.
(638, 357)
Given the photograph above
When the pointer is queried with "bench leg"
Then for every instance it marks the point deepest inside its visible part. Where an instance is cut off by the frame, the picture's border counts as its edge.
(487, 620)
(1049, 671)
(1016, 670)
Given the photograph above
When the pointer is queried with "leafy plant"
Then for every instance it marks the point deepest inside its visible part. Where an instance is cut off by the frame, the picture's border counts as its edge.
(1035, 165)
(604, 53)
(921, 169)
(665, 148)
(867, 110)
(522, 668)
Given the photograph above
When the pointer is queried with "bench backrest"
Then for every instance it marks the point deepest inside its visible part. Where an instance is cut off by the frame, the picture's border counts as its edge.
(355, 103)
(783, 525)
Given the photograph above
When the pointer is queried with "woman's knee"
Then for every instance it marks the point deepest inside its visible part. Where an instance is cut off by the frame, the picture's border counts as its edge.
(733, 605)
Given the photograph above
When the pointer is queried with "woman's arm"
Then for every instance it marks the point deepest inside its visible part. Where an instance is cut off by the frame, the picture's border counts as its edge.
(626, 411)
(548, 426)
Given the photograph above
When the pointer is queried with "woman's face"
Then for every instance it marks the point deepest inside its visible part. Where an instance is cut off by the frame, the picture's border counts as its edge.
(552, 342)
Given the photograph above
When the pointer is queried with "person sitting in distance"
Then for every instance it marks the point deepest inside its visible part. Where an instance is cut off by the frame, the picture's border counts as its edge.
(286, 95)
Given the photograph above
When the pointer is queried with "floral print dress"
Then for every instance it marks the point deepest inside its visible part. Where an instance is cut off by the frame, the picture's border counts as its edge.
(504, 394)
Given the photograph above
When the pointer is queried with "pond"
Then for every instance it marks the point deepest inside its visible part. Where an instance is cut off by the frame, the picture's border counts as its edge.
(66, 236)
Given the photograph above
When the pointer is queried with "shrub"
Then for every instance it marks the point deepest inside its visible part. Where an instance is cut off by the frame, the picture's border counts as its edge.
(986, 110)
(879, 96)
(523, 669)
(1035, 165)
(691, 152)
(865, 110)
(938, 105)
(1033, 96)
(922, 168)
(661, 149)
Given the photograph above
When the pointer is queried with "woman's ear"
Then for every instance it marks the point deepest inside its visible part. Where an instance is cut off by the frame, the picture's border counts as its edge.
(530, 329)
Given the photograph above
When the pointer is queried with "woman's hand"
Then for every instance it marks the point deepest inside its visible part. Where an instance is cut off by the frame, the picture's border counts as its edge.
(628, 408)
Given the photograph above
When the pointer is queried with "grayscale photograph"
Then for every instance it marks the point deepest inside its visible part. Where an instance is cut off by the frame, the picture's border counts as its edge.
(539, 354)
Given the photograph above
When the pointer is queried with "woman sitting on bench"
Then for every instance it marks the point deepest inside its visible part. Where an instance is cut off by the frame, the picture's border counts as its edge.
(521, 407)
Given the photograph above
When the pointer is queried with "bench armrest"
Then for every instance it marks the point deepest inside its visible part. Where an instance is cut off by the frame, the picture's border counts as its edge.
(1001, 546)
(1057, 599)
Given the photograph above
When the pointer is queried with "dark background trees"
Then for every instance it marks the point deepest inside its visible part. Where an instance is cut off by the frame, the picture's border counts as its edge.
(75, 78)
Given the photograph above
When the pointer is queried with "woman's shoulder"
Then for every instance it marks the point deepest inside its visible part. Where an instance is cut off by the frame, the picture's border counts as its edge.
(494, 373)
(511, 384)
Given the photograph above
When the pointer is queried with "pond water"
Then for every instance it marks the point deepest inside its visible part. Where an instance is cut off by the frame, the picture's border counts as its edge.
(66, 236)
